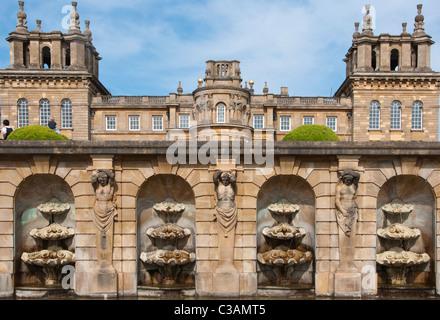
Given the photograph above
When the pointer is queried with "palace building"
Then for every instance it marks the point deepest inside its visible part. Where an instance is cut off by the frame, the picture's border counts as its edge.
(113, 212)
(390, 92)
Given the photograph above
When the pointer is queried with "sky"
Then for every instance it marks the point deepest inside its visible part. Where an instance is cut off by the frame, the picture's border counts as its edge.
(148, 46)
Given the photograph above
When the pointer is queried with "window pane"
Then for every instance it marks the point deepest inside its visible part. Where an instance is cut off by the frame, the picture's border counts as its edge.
(395, 115)
(23, 113)
(417, 115)
(258, 121)
(184, 121)
(157, 123)
(66, 114)
(44, 112)
(332, 123)
(221, 113)
(110, 122)
(285, 123)
(134, 123)
(308, 120)
(374, 115)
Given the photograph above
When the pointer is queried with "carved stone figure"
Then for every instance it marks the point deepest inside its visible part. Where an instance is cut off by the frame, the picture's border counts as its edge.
(367, 20)
(104, 212)
(346, 192)
(226, 216)
(74, 18)
(21, 16)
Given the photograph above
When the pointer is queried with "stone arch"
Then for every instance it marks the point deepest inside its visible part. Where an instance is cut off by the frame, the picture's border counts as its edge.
(296, 190)
(34, 190)
(156, 189)
(409, 189)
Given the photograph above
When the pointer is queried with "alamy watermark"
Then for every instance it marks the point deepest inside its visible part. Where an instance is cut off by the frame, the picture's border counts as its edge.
(65, 22)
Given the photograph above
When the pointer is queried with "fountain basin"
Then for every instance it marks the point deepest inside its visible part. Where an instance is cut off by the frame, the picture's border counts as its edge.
(284, 231)
(53, 231)
(165, 257)
(399, 257)
(168, 231)
(54, 207)
(283, 208)
(398, 231)
(282, 257)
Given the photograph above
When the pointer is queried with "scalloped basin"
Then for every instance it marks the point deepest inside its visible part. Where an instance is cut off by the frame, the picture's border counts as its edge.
(45, 258)
(164, 257)
(398, 257)
(284, 231)
(53, 231)
(398, 231)
(282, 258)
(168, 231)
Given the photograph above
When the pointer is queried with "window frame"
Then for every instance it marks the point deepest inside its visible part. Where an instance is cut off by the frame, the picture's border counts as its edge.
(396, 117)
(188, 120)
(44, 111)
(107, 122)
(137, 122)
(254, 118)
(22, 113)
(153, 122)
(66, 116)
(311, 117)
(374, 106)
(289, 123)
(335, 122)
(418, 104)
(221, 106)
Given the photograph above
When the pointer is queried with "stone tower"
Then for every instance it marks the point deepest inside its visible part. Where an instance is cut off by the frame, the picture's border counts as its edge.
(41, 63)
(391, 83)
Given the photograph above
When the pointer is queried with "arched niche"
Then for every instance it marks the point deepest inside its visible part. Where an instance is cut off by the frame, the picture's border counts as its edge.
(33, 191)
(164, 188)
(294, 190)
(408, 189)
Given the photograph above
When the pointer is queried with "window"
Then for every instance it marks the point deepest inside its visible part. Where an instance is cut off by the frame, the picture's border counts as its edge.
(332, 123)
(46, 58)
(184, 121)
(308, 120)
(44, 112)
(395, 115)
(133, 123)
(258, 121)
(394, 60)
(284, 123)
(110, 122)
(157, 123)
(374, 115)
(417, 116)
(23, 113)
(66, 114)
(221, 113)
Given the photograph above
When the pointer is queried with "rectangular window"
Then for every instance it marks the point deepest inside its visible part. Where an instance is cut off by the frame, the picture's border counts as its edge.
(184, 121)
(395, 115)
(66, 114)
(110, 122)
(133, 123)
(258, 121)
(157, 123)
(332, 123)
(221, 113)
(308, 120)
(23, 113)
(285, 123)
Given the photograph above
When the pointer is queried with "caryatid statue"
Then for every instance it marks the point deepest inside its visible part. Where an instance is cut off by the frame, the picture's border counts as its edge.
(346, 192)
(226, 216)
(104, 212)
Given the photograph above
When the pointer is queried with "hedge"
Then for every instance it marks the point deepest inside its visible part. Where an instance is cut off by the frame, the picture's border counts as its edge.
(311, 132)
(35, 132)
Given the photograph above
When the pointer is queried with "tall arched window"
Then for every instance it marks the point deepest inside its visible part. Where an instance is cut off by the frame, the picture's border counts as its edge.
(66, 114)
(417, 116)
(394, 60)
(395, 118)
(22, 113)
(44, 112)
(46, 58)
(221, 113)
(374, 115)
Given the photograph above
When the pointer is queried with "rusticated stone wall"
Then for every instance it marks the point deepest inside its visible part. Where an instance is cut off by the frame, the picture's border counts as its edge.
(315, 163)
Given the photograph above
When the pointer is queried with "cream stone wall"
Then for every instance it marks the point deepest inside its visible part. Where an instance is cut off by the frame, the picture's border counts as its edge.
(132, 169)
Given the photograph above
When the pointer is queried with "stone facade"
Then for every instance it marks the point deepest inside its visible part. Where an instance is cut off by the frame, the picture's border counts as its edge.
(118, 168)
(387, 171)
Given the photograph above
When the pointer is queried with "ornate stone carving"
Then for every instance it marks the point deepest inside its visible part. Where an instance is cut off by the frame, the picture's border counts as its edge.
(54, 207)
(169, 232)
(284, 231)
(398, 231)
(397, 207)
(104, 208)
(21, 16)
(53, 231)
(346, 192)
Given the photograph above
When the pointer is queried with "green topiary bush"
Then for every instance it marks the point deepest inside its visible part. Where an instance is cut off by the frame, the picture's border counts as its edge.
(35, 132)
(311, 132)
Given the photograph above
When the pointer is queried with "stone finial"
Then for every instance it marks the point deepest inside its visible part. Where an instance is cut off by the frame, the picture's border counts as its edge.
(21, 17)
(404, 25)
(87, 32)
(356, 30)
(419, 21)
(367, 22)
(265, 89)
(74, 19)
(38, 25)
(179, 89)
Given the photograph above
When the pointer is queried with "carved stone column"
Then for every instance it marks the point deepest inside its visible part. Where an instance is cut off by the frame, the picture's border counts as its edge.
(104, 277)
(226, 280)
(347, 276)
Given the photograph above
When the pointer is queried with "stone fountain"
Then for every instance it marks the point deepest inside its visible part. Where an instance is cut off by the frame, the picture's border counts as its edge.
(52, 254)
(398, 259)
(284, 239)
(168, 258)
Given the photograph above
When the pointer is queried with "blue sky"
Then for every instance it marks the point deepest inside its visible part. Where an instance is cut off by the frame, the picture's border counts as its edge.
(148, 46)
